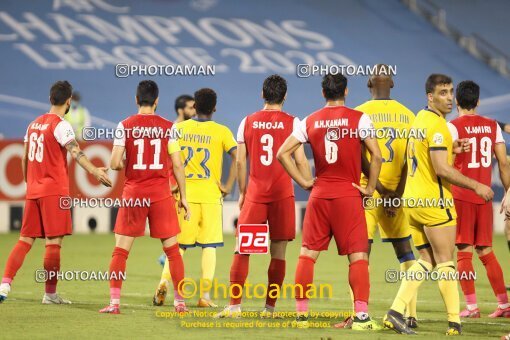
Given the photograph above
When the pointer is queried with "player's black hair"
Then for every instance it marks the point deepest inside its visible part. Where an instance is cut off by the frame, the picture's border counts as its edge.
(60, 92)
(205, 101)
(147, 92)
(181, 101)
(274, 89)
(467, 94)
(436, 79)
(333, 86)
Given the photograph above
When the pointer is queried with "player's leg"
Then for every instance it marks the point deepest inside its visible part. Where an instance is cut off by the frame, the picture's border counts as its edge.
(52, 267)
(31, 228)
(466, 221)
(282, 228)
(351, 238)
(483, 246)
(507, 233)
(186, 239)
(210, 236)
(165, 274)
(251, 213)
(395, 229)
(130, 224)
(415, 275)
(164, 225)
(117, 271)
(56, 223)
(315, 238)
(442, 239)
(176, 266)
(372, 218)
(466, 281)
(14, 263)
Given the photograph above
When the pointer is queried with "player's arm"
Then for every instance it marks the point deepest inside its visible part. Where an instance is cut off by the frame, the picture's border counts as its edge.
(374, 168)
(24, 161)
(77, 154)
(302, 163)
(232, 174)
(500, 153)
(241, 172)
(365, 168)
(439, 159)
(116, 159)
(178, 169)
(284, 156)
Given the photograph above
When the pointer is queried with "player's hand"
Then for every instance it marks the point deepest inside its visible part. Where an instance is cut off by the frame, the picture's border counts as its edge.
(308, 184)
(183, 204)
(101, 176)
(461, 145)
(365, 191)
(224, 190)
(484, 192)
(390, 210)
(505, 207)
(241, 200)
(175, 191)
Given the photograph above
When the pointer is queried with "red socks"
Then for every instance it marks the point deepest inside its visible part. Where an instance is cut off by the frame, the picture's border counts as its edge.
(495, 275)
(304, 278)
(238, 275)
(275, 276)
(52, 267)
(15, 260)
(465, 268)
(176, 266)
(117, 273)
(360, 285)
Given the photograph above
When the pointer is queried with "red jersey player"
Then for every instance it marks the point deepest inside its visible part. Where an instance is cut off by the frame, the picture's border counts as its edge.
(474, 215)
(44, 164)
(336, 134)
(269, 196)
(147, 177)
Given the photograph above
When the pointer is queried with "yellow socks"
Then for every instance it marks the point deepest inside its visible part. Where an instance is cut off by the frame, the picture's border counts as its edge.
(208, 268)
(449, 290)
(411, 306)
(409, 287)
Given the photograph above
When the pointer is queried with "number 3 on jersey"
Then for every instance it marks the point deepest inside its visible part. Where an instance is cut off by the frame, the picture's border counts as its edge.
(203, 163)
(267, 147)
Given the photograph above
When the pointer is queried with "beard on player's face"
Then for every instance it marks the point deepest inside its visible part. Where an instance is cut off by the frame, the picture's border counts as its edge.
(67, 109)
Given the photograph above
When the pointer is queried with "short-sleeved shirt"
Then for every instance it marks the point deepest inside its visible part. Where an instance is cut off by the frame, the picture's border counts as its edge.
(148, 139)
(431, 135)
(203, 143)
(335, 134)
(483, 133)
(393, 122)
(263, 133)
(47, 174)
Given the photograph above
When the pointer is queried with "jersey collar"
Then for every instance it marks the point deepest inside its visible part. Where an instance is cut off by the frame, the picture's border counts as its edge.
(201, 119)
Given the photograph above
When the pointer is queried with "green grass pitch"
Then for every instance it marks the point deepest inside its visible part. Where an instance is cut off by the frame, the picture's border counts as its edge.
(23, 316)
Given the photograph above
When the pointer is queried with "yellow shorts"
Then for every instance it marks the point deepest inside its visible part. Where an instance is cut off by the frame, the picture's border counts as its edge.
(431, 218)
(205, 227)
(390, 228)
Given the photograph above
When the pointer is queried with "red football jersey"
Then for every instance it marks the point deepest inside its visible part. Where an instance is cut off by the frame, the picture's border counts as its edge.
(47, 162)
(335, 134)
(263, 133)
(146, 138)
(483, 133)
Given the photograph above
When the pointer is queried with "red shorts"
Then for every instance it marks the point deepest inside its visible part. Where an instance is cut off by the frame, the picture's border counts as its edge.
(342, 218)
(43, 217)
(163, 221)
(474, 223)
(279, 215)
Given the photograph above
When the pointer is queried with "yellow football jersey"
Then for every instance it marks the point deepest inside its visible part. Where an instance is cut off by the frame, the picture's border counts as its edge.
(422, 181)
(392, 121)
(202, 144)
